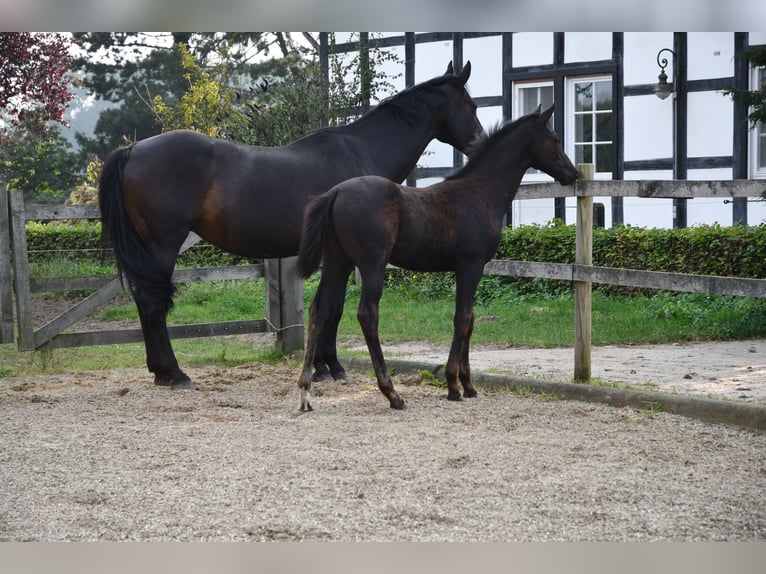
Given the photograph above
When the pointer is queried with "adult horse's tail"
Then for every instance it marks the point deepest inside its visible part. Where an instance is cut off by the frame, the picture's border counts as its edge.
(117, 231)
(316, 220)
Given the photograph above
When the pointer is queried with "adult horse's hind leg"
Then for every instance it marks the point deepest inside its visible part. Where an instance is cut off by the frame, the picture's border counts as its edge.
(368, 316)
(160, 358)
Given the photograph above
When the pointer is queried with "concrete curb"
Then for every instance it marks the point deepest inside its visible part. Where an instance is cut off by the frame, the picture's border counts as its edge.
(708, 410)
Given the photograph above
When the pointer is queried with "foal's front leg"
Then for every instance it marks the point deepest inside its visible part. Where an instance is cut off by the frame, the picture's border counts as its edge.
(457, 363)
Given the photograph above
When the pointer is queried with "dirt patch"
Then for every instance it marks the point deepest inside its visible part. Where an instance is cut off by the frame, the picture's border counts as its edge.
(108, 456)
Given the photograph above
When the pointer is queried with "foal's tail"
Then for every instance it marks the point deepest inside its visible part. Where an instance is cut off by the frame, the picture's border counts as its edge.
(316, 221)
(117, 231)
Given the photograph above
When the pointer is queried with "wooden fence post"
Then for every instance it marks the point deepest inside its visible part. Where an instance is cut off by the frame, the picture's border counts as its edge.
(6, 277)
(284, 302)
(583, 256)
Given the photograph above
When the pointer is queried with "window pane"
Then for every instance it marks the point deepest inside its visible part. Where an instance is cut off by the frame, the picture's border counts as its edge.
(603, 161)
(604, 127)
(546, 97)
(583, 154)
(603, 95)
(583, 97)
(583, 128)
(529, 100)
(762, 149)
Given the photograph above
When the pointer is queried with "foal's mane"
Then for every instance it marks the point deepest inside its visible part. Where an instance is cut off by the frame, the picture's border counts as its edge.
(488, 141)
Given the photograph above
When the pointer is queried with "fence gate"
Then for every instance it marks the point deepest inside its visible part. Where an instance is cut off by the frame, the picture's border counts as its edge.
(284, 309)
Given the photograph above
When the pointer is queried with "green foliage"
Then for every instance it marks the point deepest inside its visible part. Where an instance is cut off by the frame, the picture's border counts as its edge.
(754, 100)
(39, 163)
(710, 250)
(280, 109)
(204, 106)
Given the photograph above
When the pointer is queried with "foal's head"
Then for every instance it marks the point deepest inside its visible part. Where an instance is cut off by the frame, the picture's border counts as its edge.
(546, 152)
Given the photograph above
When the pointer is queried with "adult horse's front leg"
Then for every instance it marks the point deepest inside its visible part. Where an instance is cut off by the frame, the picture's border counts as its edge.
(326, 364)
(457, 362)
(160, 359)
(328, 299)
(367, 314)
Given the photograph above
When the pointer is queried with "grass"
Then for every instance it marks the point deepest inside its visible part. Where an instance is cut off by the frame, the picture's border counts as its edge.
(504, 317)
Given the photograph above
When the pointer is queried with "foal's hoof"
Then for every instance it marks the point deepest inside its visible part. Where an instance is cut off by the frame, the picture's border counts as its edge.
(398, 404)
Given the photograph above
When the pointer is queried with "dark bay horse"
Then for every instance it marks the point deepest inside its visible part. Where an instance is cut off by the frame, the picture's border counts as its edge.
(250, 200)
(454, 225)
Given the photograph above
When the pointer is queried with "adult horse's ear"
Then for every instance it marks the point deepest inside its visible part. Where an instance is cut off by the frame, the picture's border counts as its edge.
(465, 72)
(546, 115)
(450, 70)
(538, 109)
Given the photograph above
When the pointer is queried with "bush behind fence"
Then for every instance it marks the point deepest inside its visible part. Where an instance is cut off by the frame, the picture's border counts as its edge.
(736, 251)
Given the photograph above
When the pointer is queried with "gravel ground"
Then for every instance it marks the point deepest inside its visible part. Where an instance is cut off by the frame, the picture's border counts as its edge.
(107, 456)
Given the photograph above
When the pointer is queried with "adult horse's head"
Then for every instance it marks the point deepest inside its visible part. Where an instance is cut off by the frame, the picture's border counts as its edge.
(458, 126)
(546, 151)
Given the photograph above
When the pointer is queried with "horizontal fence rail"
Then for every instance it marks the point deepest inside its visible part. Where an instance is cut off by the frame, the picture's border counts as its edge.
(629, 277)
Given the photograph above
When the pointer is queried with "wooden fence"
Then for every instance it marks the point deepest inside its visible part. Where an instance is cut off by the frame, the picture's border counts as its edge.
(284, 292)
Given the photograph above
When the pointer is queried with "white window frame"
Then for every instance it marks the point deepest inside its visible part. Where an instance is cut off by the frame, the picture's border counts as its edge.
(532, 175)
(569, 131)
(758, 133)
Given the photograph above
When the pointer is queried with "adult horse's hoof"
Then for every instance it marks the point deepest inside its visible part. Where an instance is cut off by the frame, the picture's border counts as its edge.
(183, 386)
(399, 405)
(454, 396)
(318, 377)
(340, 376)
(470, 394)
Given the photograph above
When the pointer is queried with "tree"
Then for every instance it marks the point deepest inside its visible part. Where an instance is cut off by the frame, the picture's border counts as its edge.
(34, 79)
(134, 68)
(39, 161)
(754, 100)
(280, 107)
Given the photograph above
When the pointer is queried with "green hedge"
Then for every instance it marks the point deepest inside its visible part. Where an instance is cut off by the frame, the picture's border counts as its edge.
(81, 241)
(737, 251)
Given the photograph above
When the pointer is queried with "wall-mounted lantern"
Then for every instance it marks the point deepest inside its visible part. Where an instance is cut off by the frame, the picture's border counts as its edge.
(663, 89)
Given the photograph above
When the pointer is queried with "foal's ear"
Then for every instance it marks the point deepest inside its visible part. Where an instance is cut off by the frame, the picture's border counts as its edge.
(546, 115)
(450, 70)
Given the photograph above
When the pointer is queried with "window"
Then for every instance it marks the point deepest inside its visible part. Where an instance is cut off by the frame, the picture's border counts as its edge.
(527, 97)
(758, 133)
(590, 122)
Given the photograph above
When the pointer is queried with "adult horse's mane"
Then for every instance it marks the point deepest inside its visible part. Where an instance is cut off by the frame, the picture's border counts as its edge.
(409, 103)
(487, 141)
